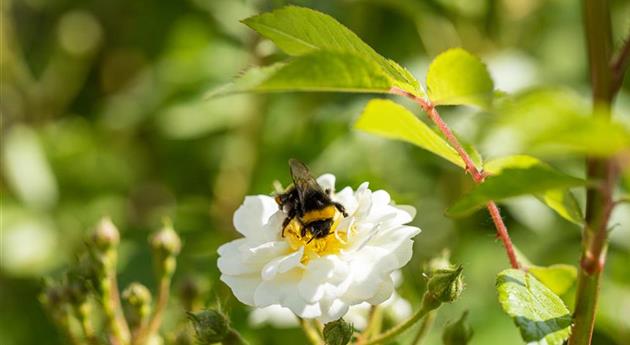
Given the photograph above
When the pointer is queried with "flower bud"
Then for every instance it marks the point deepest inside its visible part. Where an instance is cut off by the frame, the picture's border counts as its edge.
(338, 332)
(137, 300)
(457, 333)
(166, 242)
(446, 285)
(210, 326)
(106, 236)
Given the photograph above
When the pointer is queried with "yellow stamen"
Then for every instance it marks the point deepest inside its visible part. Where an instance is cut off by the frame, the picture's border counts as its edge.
(315, 247)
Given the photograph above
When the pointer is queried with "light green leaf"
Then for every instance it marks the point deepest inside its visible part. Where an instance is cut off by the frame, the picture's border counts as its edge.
(393, 121)
(511, 182)
(558, 122)
(561, 201)
(317, 71)
(248, 82)
(299, 31)
(328, 71)
(457, 77)
(558, 278)
(540, 315)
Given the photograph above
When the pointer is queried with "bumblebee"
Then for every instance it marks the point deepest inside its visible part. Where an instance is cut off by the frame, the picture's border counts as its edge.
(306, 202)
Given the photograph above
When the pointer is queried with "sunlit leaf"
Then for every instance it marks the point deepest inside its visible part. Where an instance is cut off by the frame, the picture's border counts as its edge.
(555, 121)
(457, 77)
(562, 201)
(318, 71)
(247, 82)
(511, 182)
(558, 278)
(391, 120)
(298, 31)
(540, 314)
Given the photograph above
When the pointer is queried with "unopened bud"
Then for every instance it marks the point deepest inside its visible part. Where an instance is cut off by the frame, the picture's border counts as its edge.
(166, 246)
(457, 333)
(137, 300)
(106, 235)
(446, 285)
(210, 326)
(338, 332)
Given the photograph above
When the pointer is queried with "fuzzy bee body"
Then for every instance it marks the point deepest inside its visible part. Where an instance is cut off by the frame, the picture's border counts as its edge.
(307, 202)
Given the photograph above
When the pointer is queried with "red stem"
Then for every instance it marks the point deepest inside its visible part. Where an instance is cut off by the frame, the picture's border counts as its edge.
(477, 175)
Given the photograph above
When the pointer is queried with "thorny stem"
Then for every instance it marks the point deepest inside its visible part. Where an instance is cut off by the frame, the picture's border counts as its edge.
(311, 333)
(475, 173)
(606, 76)
(425, 326)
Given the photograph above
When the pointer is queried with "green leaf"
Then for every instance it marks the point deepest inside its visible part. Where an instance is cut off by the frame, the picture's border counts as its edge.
(457, 77)
(328, 71)
(558, 122)
(248, 82)
(511, 182)
(393, 121)
(317, 71)
(558, 278)
(540, 315)
(561, 201)
(299, 31)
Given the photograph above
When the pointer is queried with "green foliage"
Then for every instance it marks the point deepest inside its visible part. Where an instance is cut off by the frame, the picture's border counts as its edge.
(537, 311)
(299, 31)
(511, 182)
(558, 122)
(393, 121)
(457, 77)
(458, 332)
(562, 201)
(558, 278)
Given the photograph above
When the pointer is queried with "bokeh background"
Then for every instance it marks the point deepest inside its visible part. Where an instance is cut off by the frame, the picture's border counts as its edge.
(103, 113)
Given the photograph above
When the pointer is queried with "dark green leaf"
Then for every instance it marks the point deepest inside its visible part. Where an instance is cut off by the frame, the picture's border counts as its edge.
(561, 201)
(540, 314)
(511, 182)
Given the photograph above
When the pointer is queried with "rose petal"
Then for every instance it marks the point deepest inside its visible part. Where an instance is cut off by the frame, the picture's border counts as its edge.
(253, 214)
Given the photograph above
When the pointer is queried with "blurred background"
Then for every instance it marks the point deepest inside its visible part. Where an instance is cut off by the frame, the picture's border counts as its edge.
(103, 113)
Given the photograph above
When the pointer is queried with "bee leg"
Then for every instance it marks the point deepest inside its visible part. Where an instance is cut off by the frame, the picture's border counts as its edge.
(341, 208)
(328, 191)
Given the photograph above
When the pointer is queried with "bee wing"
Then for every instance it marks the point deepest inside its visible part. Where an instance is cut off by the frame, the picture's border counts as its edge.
(308, 188)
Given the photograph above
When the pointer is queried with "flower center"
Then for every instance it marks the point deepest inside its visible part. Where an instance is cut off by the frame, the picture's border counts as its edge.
(315, 247)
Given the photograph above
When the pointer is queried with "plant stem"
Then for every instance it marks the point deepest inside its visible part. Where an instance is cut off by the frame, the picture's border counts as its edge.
(233, 338)
(375, 321)
(425, 326)
(311, 333)
(83, 315)
(152, 327)
(477, 176)
(115, 321)
(428, 304)
(599, 201)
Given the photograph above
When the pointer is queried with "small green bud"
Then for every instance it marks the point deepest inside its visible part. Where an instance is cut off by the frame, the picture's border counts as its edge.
(137, 300)
(457, 333)
(166, 242)
(446, 285)
(106, 236)
(210, 326)
(166, 246)
(338, 332)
